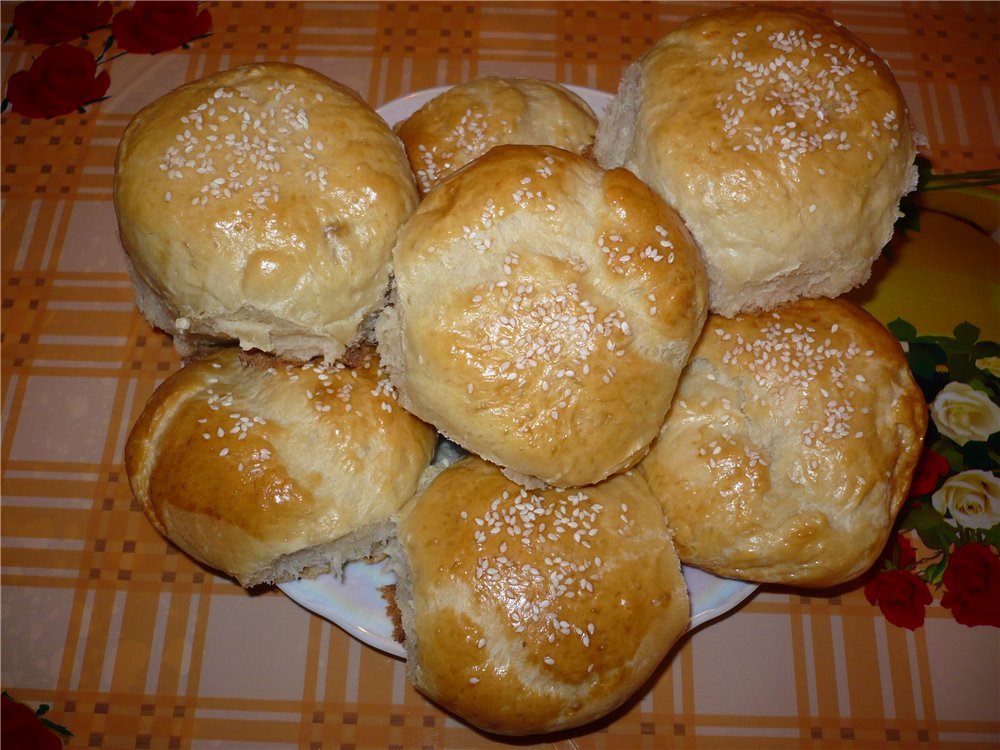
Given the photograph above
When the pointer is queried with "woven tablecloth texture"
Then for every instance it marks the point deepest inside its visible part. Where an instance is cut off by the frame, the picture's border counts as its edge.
(134, 645)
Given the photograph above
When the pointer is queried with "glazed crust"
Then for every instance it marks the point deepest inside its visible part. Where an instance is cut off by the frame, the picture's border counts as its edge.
(790, 446)
(242, 464)
(260, 205)
(783, 141)
(537, 611)
(468, 120)
(544, 309)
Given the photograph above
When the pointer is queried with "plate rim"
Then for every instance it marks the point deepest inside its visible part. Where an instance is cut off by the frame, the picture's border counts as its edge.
(314, 595)
(597, 99)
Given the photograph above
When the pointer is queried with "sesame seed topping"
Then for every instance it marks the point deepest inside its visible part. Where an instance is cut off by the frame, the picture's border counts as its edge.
(535, 521)
(787, 359)
(552, 331)
(806, 84)
(253, 149)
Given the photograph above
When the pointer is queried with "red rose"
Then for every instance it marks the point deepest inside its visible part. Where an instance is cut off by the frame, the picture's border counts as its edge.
(972, 583)
(151, 27)
(21, 727)
(901, 596)
(930, 468)
(60, 80)
(907, 554)
(44, 22)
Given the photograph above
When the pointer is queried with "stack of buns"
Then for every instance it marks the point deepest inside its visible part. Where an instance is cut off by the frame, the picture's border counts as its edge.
(640, 352)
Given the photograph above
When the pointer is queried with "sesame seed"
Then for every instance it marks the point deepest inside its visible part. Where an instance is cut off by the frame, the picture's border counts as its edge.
(785, 77)
(243, 142)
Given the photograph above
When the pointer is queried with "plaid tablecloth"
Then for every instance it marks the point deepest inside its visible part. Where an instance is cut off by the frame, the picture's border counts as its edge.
(134, 645)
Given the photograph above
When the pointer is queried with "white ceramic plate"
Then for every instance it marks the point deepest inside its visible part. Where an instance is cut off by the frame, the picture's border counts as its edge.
(353, 601)
(401, 108)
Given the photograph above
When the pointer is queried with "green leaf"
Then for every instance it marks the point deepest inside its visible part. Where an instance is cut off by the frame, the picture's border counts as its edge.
(992, 536)
(928, 181)
(56, 727)
(966, 334)
(920, 517)
(985, 348)
(108, 44)
(956, 457)
(962, 369)
(934, 573)
(976, 455)
(951, 452)
(956, 181)
(924, 358)
(993, 451)
(931, 527)
(902, 330)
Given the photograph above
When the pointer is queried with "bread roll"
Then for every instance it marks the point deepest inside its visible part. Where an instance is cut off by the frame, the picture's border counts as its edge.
(544, 309)
(260, 205)
(468, 120)
(529, 612)
(781, 138)
(271, 471)
(790, 445)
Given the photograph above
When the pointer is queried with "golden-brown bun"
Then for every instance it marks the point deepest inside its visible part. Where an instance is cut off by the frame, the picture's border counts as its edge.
(260, 205)
(535, 611)
(544, 309)
(782, 139)
(790, 445)
(270, 471)
(468, 120)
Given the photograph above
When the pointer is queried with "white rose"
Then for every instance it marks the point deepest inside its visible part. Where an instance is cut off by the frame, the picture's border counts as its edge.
(971, 497)
(990, 365)
(962, 413)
